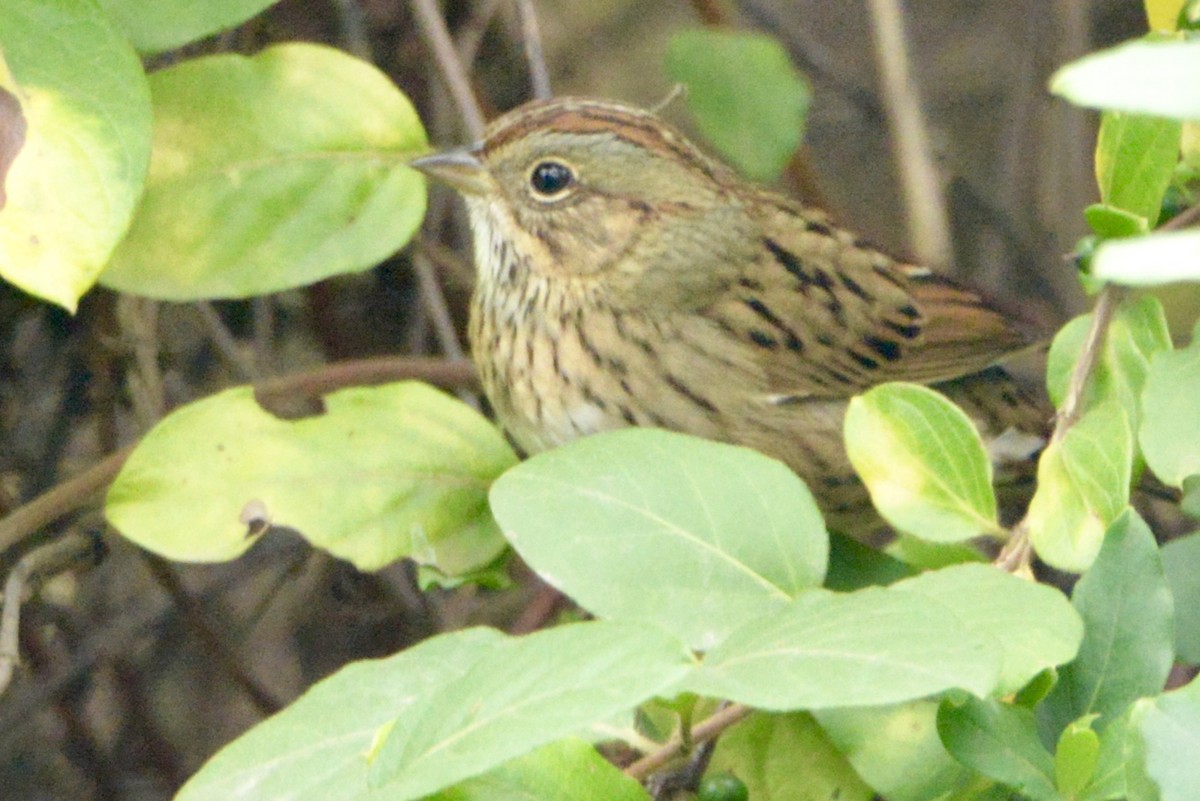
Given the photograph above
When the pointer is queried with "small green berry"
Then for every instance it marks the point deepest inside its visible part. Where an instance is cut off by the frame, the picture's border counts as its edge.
(722, 787)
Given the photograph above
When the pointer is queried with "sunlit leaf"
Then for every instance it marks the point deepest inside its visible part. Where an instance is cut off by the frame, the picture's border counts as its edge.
(74, 144)
(923, 461)
(644, 524)
(1144, 77)
(269, 172)
(386, 472)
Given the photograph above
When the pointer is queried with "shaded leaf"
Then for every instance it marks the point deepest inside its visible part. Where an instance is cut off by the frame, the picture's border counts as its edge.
(745, 95)
(167, 24)
(787, 758)
(567, 770)
(1129, 631)
(1001, 742)
(1170, 430)
(897, 750)
(644, 524)
(386, 472)
(1181, 566)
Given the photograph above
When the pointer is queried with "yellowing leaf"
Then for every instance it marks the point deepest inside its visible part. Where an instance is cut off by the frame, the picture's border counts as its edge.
(922, 461)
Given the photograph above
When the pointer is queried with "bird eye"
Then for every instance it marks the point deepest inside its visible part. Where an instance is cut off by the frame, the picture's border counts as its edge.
(551, 179)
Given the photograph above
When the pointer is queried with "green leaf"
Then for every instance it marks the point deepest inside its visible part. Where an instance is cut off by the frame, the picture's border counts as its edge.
(1144, 77)
(853, 565)
(524, 693)
(1110, 222)
(1137, 331)
(787, 757)
(745, 95)
(386, 472)
(1170, 731)
(870, 647)
(314, 750)
(271, 172)
(567, 770)
(922, 461)
(167, 24)
(1083, 485)
(1129, 631)
(897, 750)
(76, 145)
(1170, 431)
(643, 524)
(1034, 625)
(1181, 566)
(1001, 742)
(1108, 780)
(1076, 757)
(1135, 159)
(1190, 503)
(1150, 260)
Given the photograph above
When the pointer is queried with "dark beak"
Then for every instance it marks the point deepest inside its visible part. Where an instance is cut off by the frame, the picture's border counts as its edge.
(460, 169)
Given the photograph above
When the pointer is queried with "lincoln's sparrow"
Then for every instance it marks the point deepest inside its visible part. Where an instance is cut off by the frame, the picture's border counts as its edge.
(627, 279)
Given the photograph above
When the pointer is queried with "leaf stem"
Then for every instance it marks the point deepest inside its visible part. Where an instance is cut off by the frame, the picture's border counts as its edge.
(704, 731)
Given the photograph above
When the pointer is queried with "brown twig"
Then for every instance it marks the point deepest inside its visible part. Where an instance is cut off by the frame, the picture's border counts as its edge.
(40, 561)
(225, 342)
(60, 500)
(449, 65)
(706, 730)
(444, 373)
(1017, 553)
(531, 38)
(710, 12)
(925, 203)
(74, 493)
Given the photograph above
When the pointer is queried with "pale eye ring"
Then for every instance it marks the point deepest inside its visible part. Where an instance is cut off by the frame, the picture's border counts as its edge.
(551, 180)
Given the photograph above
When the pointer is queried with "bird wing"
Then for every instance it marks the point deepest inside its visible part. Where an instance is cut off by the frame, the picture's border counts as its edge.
(827, 316)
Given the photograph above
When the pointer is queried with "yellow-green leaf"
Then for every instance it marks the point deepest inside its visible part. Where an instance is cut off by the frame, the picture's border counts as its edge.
(922, 461)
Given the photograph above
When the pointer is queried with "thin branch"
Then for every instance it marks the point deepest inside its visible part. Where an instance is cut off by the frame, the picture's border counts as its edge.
(74, 493)
(531, 37)
(46, 559)
(1017, 554)
(60, 500)
(706, 730)
(451, 68)
(445, 373)
(925, 204)
(470, 35)
(225, 342)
